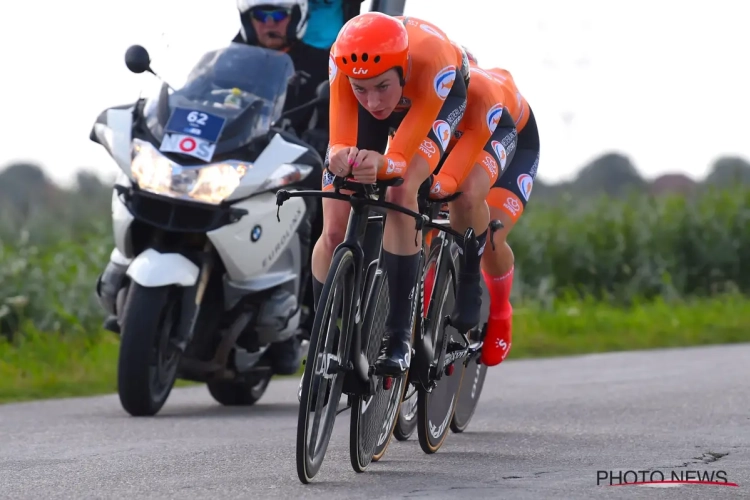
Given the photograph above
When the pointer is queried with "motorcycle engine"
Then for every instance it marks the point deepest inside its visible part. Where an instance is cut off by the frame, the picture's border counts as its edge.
(277, 320)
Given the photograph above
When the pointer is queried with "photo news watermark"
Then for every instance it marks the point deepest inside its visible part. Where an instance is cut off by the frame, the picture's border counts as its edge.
(665, 478)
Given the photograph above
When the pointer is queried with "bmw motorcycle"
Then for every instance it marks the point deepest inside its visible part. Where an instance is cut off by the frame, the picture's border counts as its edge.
(213, 271)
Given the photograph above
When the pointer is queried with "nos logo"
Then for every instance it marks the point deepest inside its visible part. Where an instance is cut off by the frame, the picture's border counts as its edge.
(193, 146)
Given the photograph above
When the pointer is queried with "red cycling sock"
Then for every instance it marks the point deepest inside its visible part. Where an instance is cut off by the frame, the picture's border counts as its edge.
(497, 341)
(499, 288)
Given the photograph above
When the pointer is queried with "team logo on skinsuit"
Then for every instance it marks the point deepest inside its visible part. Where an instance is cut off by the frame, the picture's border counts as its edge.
(489, 162)
(444, 81)
(525, 183)
(443, 133)
(332, 68)
(493, 116)
(513, 206)
(499, 150)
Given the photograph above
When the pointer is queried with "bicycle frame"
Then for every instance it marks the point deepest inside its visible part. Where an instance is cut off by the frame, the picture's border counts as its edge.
(427, 373)
(364, 200)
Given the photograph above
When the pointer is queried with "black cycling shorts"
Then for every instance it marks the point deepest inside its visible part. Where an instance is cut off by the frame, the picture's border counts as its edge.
(512, 189)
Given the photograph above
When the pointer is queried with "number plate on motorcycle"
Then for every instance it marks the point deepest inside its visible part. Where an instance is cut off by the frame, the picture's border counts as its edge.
(195, 123)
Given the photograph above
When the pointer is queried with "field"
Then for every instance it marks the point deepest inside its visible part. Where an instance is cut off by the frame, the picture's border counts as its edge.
(592, 276)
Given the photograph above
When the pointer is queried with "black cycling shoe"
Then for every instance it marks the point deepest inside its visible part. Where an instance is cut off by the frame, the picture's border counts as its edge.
(285, 356)
(468, 303)
(395, 358)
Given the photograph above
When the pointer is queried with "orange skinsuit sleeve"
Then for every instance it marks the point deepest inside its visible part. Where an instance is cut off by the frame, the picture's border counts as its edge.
(430, 56)
(343, 111)
(469, 149)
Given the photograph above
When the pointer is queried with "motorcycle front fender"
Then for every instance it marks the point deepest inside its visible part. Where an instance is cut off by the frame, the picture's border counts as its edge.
(154, 269)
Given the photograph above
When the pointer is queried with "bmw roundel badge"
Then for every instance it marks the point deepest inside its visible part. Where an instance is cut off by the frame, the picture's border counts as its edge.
(255, 234)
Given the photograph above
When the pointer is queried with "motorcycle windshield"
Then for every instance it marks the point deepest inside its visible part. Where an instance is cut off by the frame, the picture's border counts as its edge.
(232, 95)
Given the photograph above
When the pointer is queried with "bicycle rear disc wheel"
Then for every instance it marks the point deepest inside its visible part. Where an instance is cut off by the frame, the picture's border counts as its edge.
(321, 366)
(435, 408)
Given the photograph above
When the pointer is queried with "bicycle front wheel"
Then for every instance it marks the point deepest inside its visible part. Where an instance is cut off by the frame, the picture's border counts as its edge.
(435, 408)
(322, 381)
(369, 411)
(407, 416)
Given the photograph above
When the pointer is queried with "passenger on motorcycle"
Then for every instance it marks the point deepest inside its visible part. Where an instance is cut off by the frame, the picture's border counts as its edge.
(326, 19)
(403, 74)
(492, 160)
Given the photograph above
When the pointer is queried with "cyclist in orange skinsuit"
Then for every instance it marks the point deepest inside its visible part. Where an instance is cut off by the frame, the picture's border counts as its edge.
(499, 129)
(390, 73)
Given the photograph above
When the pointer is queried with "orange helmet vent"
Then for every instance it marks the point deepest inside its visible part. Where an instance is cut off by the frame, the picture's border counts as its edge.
(370, 44)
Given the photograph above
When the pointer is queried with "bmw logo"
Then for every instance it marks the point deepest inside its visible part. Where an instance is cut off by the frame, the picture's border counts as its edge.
(255, 234)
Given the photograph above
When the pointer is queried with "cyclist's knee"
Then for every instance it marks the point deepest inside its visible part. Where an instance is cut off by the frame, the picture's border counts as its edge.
(503, 215)
(399, 195)
(332, 237)
(474, 190)
(406, 193)
(335, 218)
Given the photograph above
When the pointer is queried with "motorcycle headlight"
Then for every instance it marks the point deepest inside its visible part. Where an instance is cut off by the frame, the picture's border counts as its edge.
(158, 174)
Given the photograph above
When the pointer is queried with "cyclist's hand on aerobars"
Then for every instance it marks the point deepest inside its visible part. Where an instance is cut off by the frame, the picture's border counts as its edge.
(365, 167)
(442, 186)
(341, 163)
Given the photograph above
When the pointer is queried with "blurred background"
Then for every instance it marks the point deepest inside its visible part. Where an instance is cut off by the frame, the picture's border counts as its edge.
(637, 234)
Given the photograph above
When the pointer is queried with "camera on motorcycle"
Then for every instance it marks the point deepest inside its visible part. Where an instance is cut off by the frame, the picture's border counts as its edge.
(137, 59)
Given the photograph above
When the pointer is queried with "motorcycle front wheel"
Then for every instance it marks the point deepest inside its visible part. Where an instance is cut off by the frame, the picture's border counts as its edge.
(147, 366)
(245, 393)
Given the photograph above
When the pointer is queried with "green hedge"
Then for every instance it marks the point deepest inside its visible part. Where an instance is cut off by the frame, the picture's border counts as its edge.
(636, 248)
(614, 251)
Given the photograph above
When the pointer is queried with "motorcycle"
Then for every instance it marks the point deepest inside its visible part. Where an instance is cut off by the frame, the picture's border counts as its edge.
(213, 277)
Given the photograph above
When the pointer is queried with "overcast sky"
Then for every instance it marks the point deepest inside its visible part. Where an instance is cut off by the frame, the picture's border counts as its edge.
(664, 82)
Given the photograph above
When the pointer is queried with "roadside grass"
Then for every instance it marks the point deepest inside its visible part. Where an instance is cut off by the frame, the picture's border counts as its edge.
(41, 365)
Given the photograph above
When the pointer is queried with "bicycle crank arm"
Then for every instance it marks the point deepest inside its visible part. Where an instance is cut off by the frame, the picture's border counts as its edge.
(455, 351)
(474, 352)
(447, 321)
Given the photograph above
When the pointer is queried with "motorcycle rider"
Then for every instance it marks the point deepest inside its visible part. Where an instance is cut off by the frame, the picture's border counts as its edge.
(276, 25)
(281, 25)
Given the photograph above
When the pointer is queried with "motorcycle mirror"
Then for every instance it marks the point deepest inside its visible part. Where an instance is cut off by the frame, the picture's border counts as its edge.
(137, 59)
(323, 91)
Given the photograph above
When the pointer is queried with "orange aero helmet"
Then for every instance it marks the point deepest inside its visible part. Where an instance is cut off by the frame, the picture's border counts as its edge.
(370, 44)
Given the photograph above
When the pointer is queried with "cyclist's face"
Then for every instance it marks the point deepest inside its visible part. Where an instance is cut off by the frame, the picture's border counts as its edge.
(379, 95)
(271, 25)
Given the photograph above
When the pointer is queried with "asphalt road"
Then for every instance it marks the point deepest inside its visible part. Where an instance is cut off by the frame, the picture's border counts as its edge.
(542, 430)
